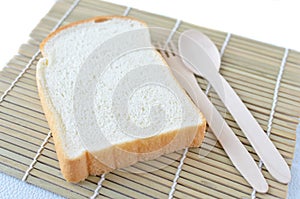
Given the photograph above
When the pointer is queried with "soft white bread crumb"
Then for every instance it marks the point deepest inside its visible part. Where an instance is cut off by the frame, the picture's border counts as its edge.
(85, 152)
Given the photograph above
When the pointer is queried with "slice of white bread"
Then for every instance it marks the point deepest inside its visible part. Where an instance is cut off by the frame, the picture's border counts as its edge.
(83, 153)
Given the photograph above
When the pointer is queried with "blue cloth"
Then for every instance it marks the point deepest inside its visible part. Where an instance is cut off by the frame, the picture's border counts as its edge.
(294, 185)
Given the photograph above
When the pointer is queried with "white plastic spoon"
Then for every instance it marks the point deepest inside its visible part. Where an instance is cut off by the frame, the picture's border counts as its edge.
(197, 60)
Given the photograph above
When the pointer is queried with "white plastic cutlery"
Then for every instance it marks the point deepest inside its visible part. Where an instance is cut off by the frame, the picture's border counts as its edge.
(201, 63)
(235, 150)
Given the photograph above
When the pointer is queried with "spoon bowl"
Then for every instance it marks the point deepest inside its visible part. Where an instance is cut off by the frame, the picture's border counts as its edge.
(205, 48)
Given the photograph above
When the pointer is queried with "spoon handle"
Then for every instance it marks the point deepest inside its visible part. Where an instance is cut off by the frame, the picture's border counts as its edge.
(261, 143)
(235, 150)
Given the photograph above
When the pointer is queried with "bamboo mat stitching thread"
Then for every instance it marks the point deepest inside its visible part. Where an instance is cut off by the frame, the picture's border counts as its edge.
(276, 91)
(225, 44)
(179, 168)
(275, 99)
(99, 184)
(177, 174)
(176, 26)
(20, 75)
(72, 7)
(39, 152)
(173, 188)
(126, 12)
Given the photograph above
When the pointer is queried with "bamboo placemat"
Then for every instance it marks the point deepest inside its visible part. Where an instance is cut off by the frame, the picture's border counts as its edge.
(254, 70)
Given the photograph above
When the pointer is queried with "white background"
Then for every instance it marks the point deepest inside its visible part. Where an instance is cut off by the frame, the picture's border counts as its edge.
(271, 21)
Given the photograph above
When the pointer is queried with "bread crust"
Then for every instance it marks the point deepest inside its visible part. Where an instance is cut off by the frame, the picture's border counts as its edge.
(79, 168)
(97, 19)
